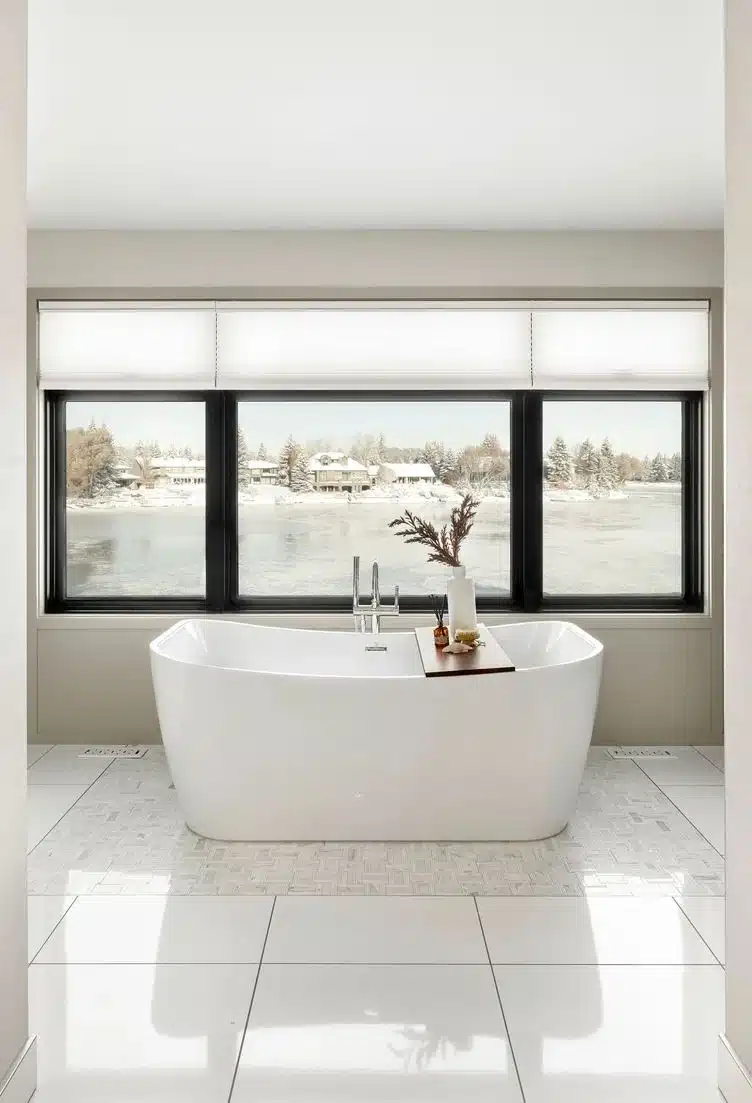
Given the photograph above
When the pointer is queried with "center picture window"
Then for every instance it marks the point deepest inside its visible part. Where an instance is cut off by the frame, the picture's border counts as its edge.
(319, 481)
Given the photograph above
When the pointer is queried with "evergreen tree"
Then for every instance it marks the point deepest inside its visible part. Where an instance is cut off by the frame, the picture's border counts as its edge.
(560, 469)
(447, 469)
(301, 476)
(658, 469)
(294, 470)
(262, 454)
(490, 445)
(675, 468)
(244, 475)
(146, 451)
(608, 474)
(586, 464)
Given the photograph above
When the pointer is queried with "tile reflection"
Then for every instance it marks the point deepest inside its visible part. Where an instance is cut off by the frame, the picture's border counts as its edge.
(586, 1033)
(163, 1032)
(344, 1032)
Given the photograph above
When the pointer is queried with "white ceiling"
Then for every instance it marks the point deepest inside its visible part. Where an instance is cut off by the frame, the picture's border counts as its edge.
(371, 114)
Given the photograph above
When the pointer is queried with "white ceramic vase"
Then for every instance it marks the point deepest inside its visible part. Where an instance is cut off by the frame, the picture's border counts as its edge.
(461, 603)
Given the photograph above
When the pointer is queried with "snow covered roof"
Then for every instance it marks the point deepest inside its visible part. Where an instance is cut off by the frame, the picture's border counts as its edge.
(178, 463)
(335, 461)
(262, 465)
(411, 470)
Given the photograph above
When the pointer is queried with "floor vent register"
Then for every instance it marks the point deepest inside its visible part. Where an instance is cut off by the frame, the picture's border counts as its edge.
(113, 752)
(640, 752)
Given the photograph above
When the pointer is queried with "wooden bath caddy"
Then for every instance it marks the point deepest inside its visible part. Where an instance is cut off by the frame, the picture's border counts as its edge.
(489, 658)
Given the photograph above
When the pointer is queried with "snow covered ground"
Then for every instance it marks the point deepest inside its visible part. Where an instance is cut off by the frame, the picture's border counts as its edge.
(263, 495)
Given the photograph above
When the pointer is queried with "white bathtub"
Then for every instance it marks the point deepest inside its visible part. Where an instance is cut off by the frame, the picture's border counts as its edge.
(280, 734)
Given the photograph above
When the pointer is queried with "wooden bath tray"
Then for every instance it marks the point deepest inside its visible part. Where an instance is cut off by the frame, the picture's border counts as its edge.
(488, 659)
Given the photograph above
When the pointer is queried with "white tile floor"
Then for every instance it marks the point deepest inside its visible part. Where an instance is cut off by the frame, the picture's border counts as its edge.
(584, 968)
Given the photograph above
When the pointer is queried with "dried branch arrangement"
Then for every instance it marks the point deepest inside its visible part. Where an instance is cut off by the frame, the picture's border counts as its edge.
(444, 543)
(439, 606)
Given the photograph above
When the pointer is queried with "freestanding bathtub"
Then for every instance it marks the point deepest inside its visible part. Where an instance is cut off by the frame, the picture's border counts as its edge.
(281, 734)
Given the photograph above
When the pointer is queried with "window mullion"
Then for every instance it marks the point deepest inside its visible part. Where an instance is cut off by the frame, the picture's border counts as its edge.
(216, 480)
(532, 501)
(692, 504)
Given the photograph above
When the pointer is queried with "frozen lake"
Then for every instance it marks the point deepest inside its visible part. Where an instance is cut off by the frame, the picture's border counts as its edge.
(630, 545)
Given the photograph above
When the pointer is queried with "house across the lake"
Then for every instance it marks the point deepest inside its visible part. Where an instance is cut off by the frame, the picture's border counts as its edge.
(262, 472)
(125, 476)
(176, 471)
(407, 474)
(334, 472)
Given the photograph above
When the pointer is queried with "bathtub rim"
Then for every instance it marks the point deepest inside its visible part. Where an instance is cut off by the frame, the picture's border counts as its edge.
(156, 649)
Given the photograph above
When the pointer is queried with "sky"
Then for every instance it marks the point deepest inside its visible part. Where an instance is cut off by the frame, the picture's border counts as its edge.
(641, 428)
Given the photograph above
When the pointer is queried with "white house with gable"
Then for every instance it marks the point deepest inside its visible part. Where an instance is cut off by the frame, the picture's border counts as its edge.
(335, 472)
(407, 474)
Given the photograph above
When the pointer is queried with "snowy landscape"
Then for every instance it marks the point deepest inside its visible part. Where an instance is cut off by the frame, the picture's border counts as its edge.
(136, 515)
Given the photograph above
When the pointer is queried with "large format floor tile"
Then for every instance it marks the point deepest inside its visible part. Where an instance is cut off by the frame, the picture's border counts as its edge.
(34, 752)
(561, 931)
(715, 755)
(152, 1034)
(62, 766)
(703, 805)
(44, 914)
(687, 767)
(374, 930)
(160, 929)
(46, 805)
(708, 915)
(376, 1033)
(635, 1034)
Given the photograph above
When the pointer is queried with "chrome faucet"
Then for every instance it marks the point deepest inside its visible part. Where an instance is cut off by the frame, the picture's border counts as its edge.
(372, 608)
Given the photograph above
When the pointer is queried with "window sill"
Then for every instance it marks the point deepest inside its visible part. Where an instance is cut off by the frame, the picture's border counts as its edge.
(343, 622)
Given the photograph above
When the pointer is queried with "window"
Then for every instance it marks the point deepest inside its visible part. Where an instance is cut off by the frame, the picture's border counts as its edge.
(132, 488)
(319, 481)
(237, 456)
(612, 498)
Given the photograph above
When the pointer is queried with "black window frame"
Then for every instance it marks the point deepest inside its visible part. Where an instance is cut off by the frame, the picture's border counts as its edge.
(526, 506)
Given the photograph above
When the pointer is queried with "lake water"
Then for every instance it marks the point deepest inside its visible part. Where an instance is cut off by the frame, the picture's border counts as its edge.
(608, 546)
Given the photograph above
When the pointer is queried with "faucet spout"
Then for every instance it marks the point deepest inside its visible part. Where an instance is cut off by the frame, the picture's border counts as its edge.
(372, 608)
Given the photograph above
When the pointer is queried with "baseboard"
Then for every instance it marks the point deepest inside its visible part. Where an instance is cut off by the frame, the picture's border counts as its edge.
(734, 1081)
(20, 1083)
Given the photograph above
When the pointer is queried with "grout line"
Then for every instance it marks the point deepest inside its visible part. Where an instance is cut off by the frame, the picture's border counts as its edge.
(381, 965)
(498, 997)
(65, 813)
(60, 920)
(42, 755)
(250, 1005)
(688, 918)
(682, 812)
(710, 760)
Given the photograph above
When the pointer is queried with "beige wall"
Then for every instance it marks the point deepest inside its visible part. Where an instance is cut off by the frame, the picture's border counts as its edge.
(675, 661)
(656, 681)
(738, 537)
(13, 552)
(398, 259)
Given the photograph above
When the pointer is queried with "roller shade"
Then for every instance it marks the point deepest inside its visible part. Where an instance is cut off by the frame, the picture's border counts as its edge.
(335, 345)
(622, 347)
(107, 346)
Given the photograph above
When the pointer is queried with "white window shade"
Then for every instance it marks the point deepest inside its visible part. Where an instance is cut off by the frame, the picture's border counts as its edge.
(335, 345)
(622, 348)
(110, 346)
